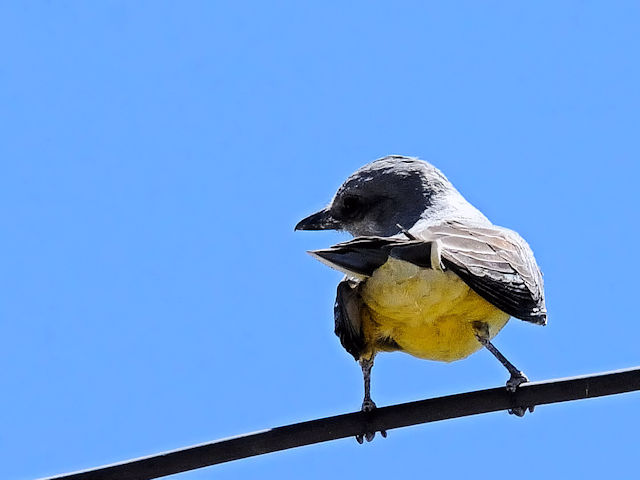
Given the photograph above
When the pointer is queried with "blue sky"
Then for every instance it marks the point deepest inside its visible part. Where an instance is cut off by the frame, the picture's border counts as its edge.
(156, 156)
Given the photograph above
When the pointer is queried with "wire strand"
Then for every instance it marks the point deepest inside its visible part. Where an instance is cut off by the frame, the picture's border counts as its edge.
(351, 424)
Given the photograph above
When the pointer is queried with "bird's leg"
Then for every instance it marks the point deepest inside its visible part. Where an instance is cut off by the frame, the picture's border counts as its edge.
(517, 377)
(368, 405)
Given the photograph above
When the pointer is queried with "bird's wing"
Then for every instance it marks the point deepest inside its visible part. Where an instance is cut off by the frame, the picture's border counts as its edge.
(496, 263)
(360, 257)
(347, 313)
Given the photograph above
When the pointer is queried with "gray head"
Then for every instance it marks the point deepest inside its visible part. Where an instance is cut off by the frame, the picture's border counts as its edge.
(388, 192)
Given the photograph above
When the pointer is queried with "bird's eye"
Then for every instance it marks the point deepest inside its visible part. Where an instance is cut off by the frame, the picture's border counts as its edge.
(350, 206)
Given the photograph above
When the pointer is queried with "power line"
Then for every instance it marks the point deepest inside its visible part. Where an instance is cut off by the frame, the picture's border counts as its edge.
(348, 425)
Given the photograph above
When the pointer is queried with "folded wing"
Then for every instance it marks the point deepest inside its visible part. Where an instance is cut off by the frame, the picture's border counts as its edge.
(347, 313)
(494, 261)
(497, 264)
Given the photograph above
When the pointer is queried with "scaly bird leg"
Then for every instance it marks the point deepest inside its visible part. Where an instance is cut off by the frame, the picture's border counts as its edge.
(517, 377)
(368, 405)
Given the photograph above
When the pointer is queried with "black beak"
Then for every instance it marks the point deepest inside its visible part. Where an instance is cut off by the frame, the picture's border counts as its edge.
(321, 220)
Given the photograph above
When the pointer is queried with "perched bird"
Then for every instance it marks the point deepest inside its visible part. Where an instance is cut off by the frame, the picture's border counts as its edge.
(427, 273)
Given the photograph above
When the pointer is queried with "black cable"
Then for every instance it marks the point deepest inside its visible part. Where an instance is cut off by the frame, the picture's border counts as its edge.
(351, 424)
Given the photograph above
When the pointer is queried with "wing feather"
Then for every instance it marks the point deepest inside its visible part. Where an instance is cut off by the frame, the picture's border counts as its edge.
(494, 261)
(348, 322)
(498, 264)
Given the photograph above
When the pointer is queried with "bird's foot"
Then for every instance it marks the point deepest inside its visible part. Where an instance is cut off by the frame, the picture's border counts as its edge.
(517, 379)
(520, 411)
(369, 406)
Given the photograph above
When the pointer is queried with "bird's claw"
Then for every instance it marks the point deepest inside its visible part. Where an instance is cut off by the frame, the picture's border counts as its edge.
(513, 383)
(520, 411)
(369, 406)
(516, 380)
(368, 436)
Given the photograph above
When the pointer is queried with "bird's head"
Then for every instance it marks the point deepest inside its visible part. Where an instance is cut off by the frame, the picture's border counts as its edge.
(376, 198)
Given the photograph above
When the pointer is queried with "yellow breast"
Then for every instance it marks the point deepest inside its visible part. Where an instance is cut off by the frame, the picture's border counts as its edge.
(428, 313)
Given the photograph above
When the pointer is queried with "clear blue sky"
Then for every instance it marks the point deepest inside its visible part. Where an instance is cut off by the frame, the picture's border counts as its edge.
(156, 156)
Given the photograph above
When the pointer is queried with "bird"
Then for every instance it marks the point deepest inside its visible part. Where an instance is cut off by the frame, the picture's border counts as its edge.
(426, 273)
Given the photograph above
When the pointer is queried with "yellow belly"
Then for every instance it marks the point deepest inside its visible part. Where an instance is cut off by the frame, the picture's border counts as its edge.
(428, 313)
